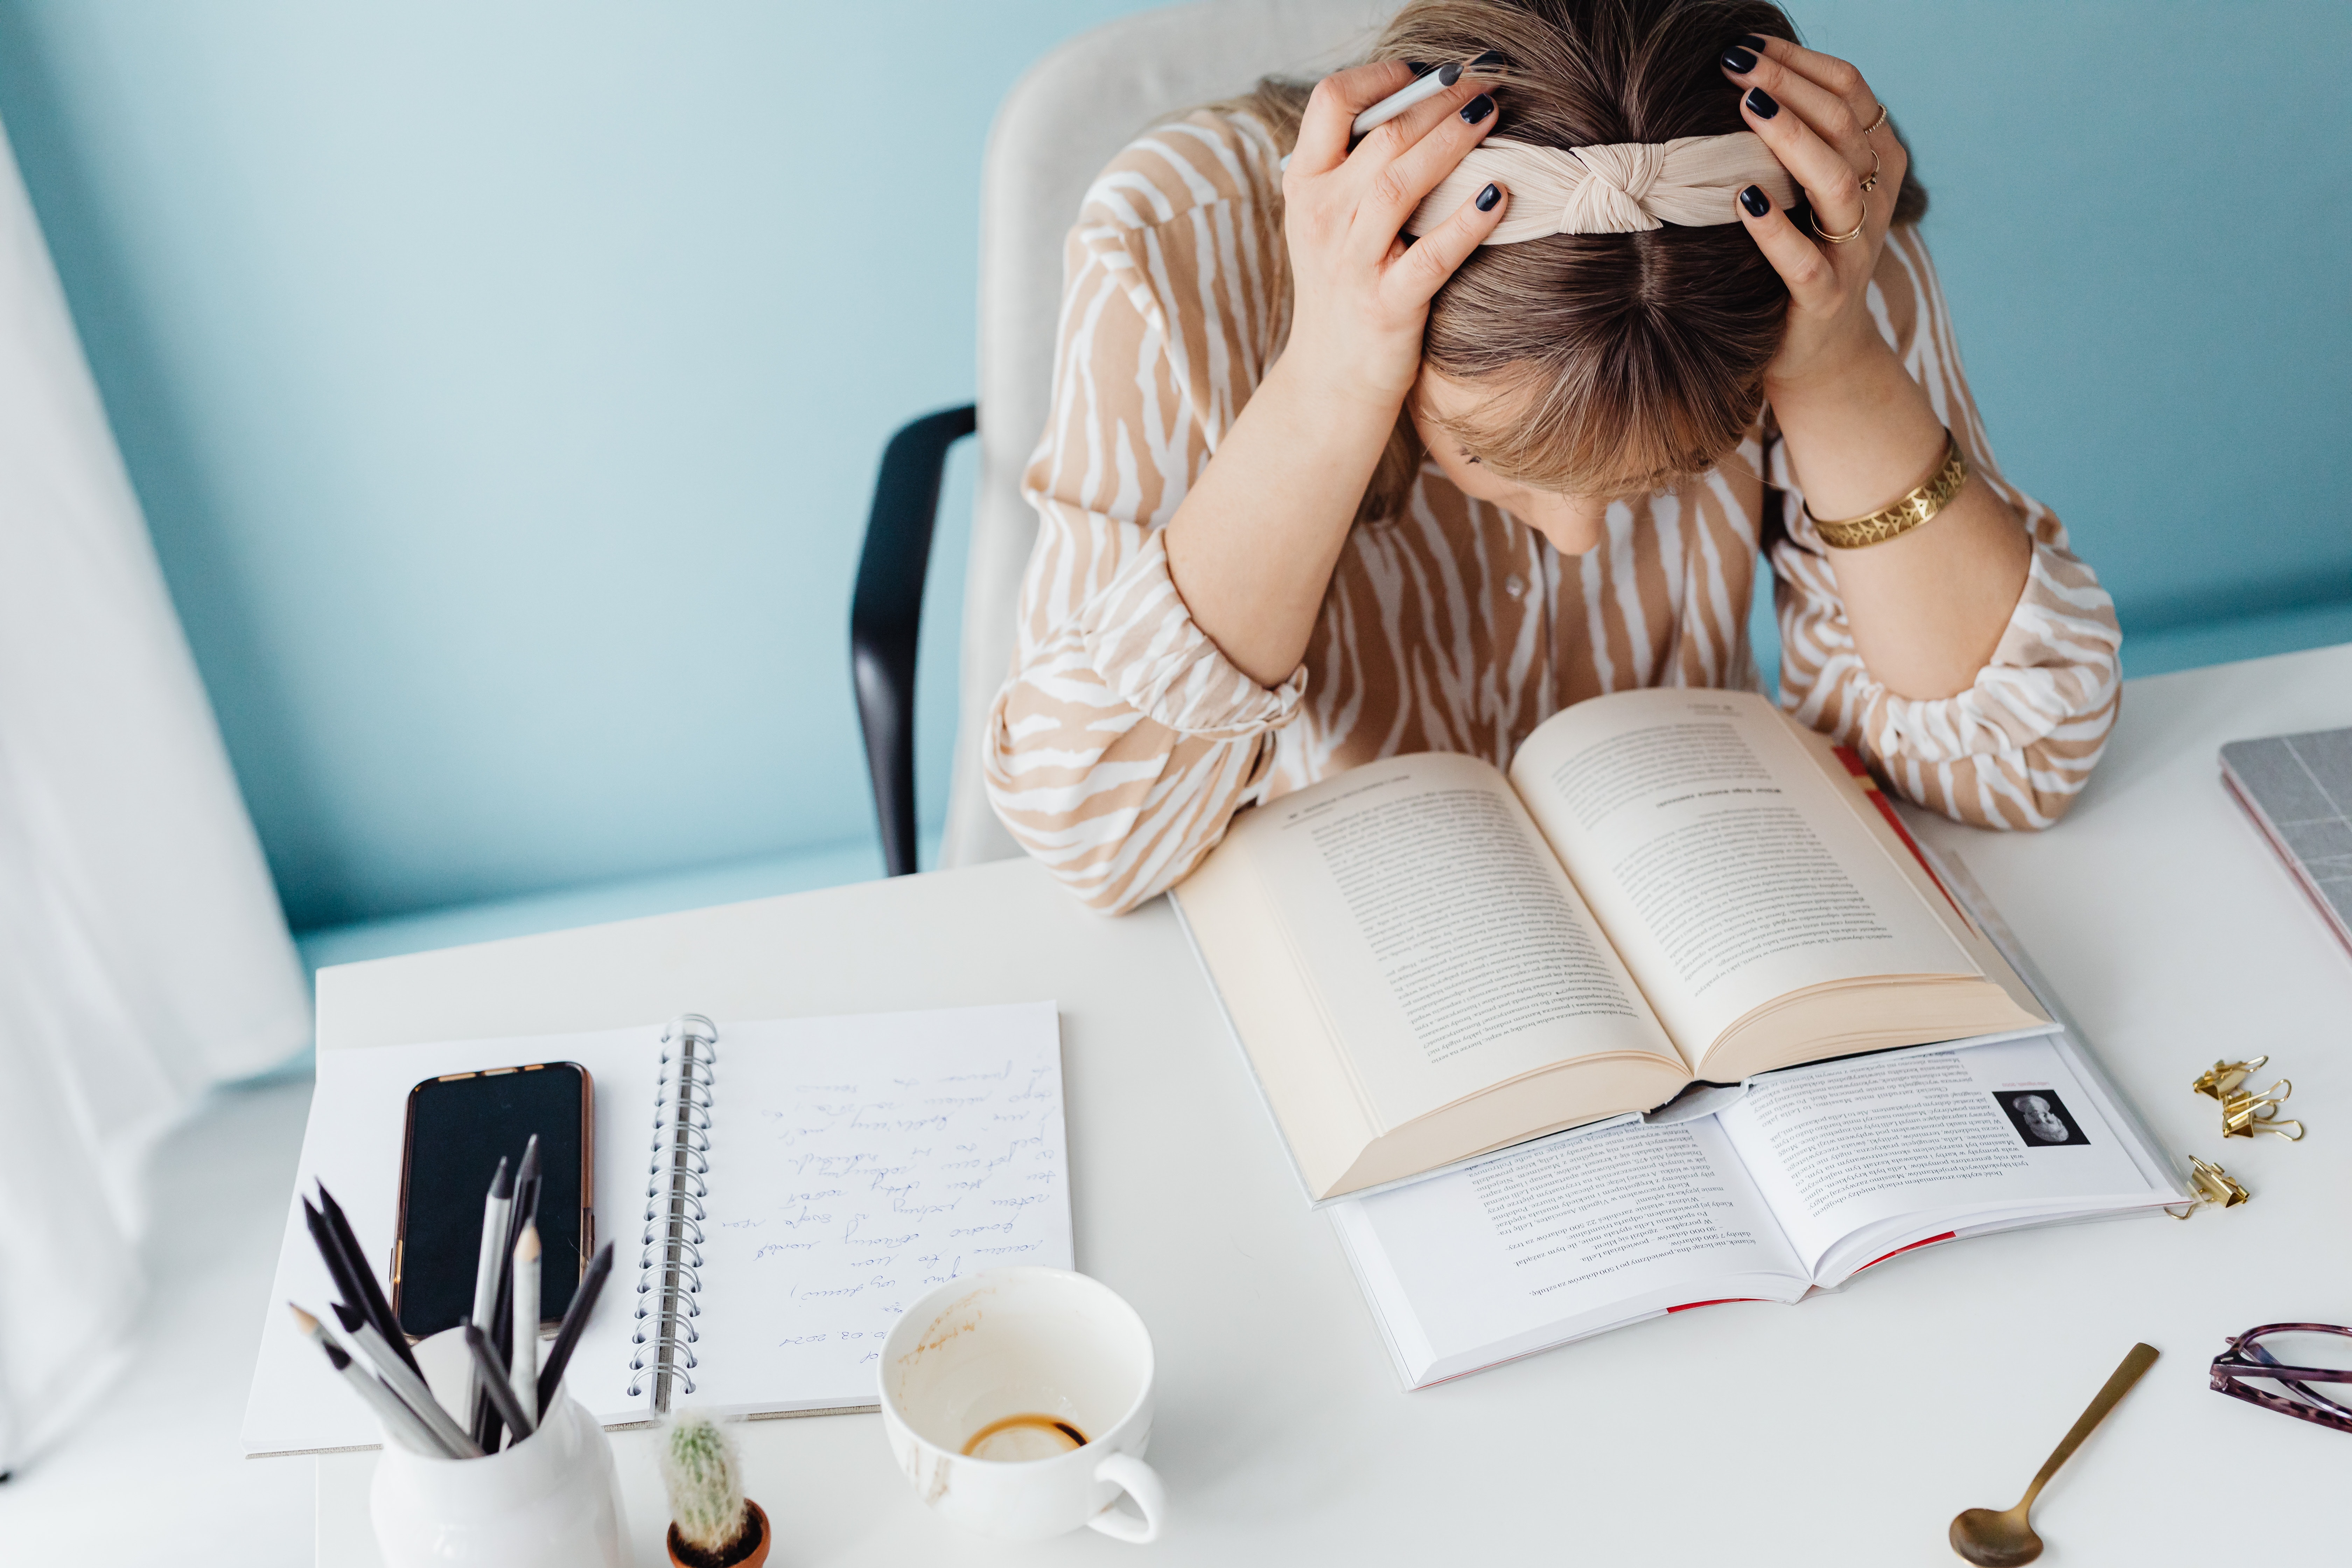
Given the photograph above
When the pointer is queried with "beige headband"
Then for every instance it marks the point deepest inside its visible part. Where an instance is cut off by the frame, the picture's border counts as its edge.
(1693, 181)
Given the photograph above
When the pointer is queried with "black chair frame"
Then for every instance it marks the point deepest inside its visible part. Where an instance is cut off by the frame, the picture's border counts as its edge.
(885, 615)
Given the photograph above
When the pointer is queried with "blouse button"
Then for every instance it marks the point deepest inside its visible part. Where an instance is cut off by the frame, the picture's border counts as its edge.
(1515, 585)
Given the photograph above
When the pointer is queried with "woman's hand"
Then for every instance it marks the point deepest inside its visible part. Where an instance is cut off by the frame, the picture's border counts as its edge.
(1253, 544)
(1359, 293)
(1928, 607)
(1823, 121)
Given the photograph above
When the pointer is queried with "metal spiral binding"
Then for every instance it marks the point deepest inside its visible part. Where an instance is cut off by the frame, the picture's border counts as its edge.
(669, 1263)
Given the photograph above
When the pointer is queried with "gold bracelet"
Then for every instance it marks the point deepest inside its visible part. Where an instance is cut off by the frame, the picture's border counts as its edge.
(1905, 514)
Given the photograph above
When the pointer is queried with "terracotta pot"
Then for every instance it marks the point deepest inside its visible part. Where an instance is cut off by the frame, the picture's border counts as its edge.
(759, 1536)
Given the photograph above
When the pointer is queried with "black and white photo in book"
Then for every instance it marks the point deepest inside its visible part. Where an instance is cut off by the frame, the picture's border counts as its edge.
(2040, 1118)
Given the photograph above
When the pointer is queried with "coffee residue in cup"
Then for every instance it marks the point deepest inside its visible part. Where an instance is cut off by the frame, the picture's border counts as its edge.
(1025, 1437)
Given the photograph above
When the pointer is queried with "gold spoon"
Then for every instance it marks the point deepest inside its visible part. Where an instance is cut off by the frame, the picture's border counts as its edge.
(2003, 1540)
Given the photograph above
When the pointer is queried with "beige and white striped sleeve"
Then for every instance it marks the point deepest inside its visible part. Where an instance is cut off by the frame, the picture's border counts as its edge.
(2015, 749)
(1125, 739)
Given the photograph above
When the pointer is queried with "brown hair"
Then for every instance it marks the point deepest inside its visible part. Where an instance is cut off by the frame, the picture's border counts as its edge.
(1620, 361)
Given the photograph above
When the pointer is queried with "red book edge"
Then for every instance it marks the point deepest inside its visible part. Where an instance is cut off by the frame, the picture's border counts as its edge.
(1718, 1301)
(1861, 772)
(1915, 1246)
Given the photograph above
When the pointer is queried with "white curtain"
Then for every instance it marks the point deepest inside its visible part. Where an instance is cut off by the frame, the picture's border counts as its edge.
(142, 953)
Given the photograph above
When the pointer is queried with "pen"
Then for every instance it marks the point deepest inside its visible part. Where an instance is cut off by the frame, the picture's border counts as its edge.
(486, 1368)
(399, 1421)
(575, 1319)
(410, 1387)
(371, 1298)
(488, 1267)
(522, 1360)
(1419, 89)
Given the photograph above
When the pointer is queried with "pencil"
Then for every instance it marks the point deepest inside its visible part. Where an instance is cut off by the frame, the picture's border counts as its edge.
(524, 1212)
(522, 1360)
(488, 1266)
(378, 1308)
(400, 1421)
(410, 1387)
(486, 1367)
(575, 1319)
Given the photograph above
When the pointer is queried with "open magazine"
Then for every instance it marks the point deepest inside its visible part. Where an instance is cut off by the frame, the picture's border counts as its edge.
(1808, 1176)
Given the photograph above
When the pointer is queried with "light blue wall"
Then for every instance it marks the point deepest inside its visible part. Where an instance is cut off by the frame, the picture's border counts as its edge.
(504, 380)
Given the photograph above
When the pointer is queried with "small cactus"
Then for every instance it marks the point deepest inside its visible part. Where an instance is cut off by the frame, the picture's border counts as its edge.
(705, 1482)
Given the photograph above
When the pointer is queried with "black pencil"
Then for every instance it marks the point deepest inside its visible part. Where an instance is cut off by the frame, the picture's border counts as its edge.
(378, 1308)
(526, 1203)
(494, 1383)
(340, 1267)
(575, 1319)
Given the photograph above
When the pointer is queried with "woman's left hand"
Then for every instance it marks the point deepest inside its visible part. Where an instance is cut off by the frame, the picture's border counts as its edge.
(1823, 121)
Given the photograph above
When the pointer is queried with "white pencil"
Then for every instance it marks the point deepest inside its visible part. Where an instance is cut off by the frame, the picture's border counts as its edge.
(496, 1209)
(413, 1390)
(401, 1424)
(1427, 85)
(522, 1360)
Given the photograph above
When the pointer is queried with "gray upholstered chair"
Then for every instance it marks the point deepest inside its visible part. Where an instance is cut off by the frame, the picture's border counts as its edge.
(1074, 108)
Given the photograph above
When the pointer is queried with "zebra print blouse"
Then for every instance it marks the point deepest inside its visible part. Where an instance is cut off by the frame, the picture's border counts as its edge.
(1123, 741)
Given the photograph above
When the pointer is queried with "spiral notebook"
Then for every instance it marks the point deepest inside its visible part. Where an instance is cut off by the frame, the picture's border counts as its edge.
(778, 1191)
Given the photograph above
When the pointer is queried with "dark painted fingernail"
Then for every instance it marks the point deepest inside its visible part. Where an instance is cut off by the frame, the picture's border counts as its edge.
(1760, 104)
(1477, 109)
(1417, 68)
(1486, 61)
(1756, 202)
(1738, 62)
(1489, 197)
(1753, 42)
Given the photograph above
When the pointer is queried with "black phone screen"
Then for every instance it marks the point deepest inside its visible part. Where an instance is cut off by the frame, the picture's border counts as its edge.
(459, 1128)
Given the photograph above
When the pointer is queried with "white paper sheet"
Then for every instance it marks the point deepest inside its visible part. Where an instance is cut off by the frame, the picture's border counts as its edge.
(857, 1163)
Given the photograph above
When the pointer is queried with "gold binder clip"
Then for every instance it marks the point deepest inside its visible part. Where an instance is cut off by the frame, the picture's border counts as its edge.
(2223, 1078)
(2244, 1113)
(2210, 1184)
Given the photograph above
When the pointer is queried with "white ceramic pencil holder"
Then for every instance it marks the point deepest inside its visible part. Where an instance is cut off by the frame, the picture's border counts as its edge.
(553, 1501)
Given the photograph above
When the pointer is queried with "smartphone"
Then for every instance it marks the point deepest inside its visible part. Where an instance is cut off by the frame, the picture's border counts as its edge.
(459, 1127)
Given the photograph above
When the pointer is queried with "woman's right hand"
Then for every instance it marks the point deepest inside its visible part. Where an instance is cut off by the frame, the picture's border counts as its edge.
(1359, 292)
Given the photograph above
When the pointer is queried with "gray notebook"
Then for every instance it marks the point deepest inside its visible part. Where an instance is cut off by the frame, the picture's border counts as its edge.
(2298, 790)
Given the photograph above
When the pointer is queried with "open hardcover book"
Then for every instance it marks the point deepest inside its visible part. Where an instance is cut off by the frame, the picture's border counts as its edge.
(1810, 1177)
(1426, 960)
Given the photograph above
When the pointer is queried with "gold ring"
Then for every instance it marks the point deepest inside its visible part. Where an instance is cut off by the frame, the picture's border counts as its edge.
(1877, 122)
(1853, 233)
(1871, 183)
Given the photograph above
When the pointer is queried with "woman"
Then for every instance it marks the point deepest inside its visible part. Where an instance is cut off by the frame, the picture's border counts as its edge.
(1313, 495)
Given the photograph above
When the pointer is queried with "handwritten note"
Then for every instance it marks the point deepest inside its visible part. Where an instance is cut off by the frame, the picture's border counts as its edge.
(857, 1164)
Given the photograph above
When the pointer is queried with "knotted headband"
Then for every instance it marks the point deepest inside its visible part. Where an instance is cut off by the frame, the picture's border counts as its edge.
(1621, 189)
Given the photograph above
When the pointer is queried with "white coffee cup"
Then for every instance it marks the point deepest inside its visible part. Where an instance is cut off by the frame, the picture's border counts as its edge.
(1046, 1377)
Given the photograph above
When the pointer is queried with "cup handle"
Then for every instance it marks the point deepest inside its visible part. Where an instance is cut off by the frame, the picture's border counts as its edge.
(1139, 1481)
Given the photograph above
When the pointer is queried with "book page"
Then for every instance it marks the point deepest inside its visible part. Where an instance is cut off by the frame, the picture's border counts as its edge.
(1446, 945)
(857, 1163)
(1928, 1143)
(1724, 868)
(1579, 1234)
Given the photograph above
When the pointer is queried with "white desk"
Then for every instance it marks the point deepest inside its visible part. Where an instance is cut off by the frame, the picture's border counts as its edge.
(1846, 1430)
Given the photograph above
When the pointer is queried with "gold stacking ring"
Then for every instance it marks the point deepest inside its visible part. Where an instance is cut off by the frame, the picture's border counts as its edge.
(1871, 183)
(1853, 233)
(1877, 122)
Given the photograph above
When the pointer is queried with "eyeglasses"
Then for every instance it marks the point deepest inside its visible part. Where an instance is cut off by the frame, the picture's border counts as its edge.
(2249, 1360)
